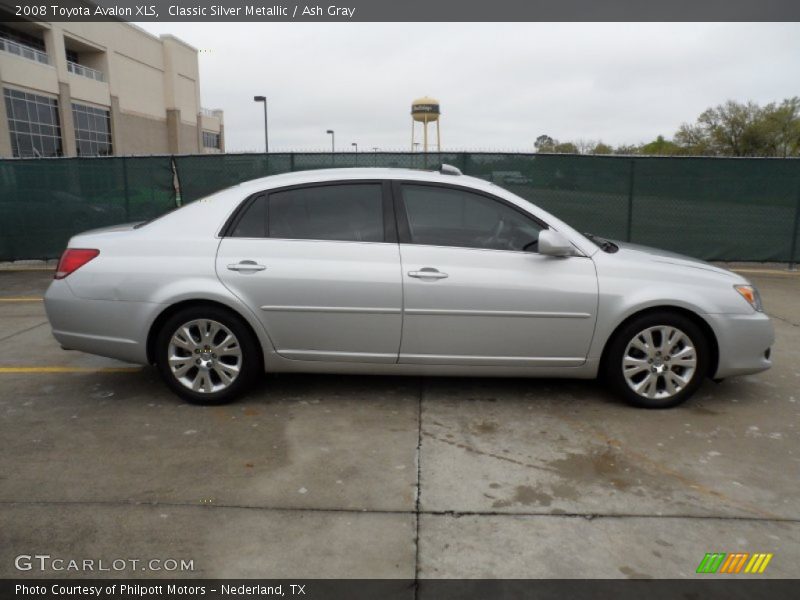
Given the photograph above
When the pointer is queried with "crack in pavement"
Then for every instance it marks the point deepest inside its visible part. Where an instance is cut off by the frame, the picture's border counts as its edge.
(401, 512)
(8, 337)
(418, 498)
(638, 457)
(784, 320)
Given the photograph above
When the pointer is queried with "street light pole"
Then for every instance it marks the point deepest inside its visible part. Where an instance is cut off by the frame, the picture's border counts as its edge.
(355, 146)
(266, 133)
(333, 139)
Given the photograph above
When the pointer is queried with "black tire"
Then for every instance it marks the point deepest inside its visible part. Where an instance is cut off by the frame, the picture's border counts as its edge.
(250, 362)
(659, 396)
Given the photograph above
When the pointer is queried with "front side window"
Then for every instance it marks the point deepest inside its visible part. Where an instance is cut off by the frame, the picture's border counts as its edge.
(440, 216)
(343, 212)
(33, 124)
(92, 130)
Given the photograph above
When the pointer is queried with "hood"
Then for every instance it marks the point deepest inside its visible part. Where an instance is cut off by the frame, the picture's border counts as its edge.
(646, 253)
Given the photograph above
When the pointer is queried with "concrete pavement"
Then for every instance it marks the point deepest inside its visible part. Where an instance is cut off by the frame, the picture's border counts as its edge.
(343, 476)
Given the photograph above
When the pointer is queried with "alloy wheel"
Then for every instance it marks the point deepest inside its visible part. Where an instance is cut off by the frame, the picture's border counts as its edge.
(204, 356)
(659, 362)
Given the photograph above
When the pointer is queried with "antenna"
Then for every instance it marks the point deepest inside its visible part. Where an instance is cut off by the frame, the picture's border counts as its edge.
(449, 170)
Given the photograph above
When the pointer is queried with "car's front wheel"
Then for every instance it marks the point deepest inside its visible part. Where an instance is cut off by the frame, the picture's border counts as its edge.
(207, 355)
(657, 360)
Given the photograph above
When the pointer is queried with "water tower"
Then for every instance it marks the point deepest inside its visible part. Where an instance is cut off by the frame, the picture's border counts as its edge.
(425, 110)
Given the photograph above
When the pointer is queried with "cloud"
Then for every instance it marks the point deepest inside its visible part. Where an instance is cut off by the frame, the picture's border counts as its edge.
(500, 84)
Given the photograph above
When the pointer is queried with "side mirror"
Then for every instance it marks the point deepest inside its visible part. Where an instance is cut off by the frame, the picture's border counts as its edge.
(553, 243)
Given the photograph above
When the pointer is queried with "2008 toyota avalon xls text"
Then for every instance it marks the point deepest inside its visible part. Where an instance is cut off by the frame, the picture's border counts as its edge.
(398, 272)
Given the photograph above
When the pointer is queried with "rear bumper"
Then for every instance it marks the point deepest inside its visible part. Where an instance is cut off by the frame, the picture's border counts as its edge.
(111, 328)
(744, 341)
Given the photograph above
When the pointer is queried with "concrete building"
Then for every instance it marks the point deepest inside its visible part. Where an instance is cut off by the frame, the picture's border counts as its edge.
(98, 89)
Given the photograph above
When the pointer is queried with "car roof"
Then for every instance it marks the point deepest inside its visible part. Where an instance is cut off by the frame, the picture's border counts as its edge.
(359, 173)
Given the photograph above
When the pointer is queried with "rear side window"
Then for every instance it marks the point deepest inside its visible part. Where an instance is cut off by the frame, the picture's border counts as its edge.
(253, 221)
(343, 212)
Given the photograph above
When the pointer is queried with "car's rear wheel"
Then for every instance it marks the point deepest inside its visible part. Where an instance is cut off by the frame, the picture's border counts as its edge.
(207, 355)
(657, 360)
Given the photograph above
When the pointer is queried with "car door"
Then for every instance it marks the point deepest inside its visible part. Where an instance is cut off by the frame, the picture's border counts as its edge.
(475, 290)
(320, 265)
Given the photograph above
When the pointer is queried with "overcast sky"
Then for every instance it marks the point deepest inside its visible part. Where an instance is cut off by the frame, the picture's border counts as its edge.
(500, 84)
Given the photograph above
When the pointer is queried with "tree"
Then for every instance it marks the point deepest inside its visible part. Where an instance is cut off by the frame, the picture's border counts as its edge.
(601, 148)
(627, 149)
(585, 146)
(660, 147)
(729, 129)
(693, 140)
(744, 129)
(734, 128)
(565, 148)
(544, 143)
(782, 127)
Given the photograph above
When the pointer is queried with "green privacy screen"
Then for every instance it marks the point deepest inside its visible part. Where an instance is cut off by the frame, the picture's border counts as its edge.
(45, 201)
(710, 208)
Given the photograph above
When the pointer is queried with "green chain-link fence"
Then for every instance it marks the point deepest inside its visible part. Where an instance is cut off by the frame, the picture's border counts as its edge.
(711, 208)
(45, 201)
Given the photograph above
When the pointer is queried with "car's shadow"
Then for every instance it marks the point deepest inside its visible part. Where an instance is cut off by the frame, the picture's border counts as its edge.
(146, 387)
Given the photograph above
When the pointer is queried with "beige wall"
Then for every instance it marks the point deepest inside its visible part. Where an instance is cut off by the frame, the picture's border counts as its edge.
(23, 73)
(154, 84)
(133, 134)
(83, 89)
(182, 76)
(189, 144)
(139, 87)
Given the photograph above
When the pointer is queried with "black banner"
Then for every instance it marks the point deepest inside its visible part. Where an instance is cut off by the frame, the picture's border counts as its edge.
(712, 587)
(403, 11)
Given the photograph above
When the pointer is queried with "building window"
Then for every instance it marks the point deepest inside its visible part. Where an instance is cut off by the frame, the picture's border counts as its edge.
(210, 140)
(92, 130)
(20, 37)
(33, 124)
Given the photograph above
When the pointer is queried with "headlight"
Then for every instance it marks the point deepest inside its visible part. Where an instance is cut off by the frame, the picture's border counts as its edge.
(750, 293)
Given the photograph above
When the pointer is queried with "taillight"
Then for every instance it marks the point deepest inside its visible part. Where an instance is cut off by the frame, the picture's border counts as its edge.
(73, 259)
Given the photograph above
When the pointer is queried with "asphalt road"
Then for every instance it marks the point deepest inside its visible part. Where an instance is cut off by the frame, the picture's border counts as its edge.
(380, 477)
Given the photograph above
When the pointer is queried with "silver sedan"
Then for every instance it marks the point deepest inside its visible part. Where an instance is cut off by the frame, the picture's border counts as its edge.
(389, 271)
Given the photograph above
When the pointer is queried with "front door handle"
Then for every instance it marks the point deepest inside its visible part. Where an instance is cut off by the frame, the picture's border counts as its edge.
(247, 266)
(428, 273)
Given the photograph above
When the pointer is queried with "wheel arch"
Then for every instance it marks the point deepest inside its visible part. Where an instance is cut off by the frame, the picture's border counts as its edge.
(698, 320)
(172, 309)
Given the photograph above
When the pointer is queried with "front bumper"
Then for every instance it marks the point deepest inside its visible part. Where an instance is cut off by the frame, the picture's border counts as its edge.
(744, 342)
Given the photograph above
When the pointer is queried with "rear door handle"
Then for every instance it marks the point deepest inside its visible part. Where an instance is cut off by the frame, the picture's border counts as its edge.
(246, 266)
(428, 273)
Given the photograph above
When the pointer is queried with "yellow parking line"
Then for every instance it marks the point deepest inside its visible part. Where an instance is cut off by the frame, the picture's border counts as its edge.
(22, 299)
(786, 273)
(70, 369)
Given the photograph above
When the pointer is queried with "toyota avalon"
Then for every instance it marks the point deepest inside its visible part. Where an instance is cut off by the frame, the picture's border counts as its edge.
(390, 271)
